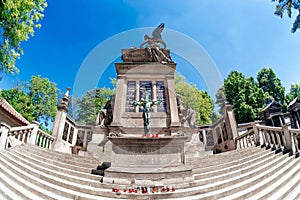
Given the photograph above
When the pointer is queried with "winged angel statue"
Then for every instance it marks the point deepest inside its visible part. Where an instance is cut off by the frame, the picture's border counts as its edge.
(156, 39)
(153, 45)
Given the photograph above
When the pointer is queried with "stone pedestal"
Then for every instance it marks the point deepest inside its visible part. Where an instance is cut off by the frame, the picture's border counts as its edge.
(148, 161)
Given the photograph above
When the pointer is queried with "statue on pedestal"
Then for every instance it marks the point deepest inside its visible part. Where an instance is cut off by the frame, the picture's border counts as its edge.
(147, 104)
(153, 45)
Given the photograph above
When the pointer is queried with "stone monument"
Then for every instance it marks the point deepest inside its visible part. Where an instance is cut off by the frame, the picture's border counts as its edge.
(147, 133)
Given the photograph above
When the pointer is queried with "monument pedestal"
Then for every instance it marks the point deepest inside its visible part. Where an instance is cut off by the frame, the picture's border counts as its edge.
(148, 161)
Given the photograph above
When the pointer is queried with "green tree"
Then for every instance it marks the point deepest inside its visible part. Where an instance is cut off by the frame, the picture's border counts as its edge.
(18, 19)
(268, 82)
(294, 92)
(289, 5)
(44, 98)
(194, 99)
(90, 104)
(20, 101)
(244, 95)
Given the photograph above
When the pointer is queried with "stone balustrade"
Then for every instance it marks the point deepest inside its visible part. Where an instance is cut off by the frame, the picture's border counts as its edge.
(280, 138)
(44, 140)
(13, 136)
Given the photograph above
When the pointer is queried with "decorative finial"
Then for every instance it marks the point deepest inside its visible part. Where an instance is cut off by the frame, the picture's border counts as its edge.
(67, 91)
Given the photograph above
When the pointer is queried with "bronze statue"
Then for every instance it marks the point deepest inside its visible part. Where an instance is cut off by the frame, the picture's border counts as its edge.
(147, 104)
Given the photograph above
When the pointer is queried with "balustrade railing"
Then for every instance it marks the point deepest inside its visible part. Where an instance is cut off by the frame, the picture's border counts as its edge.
(279, 138)
(22, 134)
(44, 140)
(13, 136)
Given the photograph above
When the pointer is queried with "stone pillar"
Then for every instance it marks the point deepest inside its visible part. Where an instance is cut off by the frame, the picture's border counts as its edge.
(118, 105)
(60, 119)
(33, 135)
(256, 134)
(287, 137)
(85, 139)
(204, 137)
(230, 121)
(4, 134)
(280, 120)
(172, 102)
(215, 137)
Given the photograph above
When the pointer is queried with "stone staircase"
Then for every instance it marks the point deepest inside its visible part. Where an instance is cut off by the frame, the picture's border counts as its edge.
(32, 172)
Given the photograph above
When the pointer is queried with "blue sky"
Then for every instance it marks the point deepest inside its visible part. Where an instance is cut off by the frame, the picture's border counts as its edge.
(237, 35)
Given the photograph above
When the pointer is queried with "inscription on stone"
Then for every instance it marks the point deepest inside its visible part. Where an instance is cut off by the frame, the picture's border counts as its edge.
(130, 96)
(144, 149)
(160, 95)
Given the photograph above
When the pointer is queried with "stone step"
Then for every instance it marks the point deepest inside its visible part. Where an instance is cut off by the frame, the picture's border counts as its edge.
(230, 186)
(7, 191)
(60, 166)
(238, 168)
(258, 172)
(88, 158)
(66, 174)
(238, 161)
(49, 157)
(228, 158)
(265, 188)
(56, 185)
(28, 188)
(290, 189)
(285, 183)
(230, 175)
(55, 154)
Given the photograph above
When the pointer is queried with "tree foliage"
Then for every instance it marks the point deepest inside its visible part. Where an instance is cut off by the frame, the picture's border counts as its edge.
(294, 92)
(38, 103)
(195, 99)
(268, 82)
(20, 101)
(44, 98)
(90, 104)
(244, 95)
(288, 6)
(18, 19)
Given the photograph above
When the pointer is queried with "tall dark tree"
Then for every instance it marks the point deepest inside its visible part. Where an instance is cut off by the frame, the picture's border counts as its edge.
(18, 20)
(294, 92)
(288, 6)
(244, 95)
(270, 83)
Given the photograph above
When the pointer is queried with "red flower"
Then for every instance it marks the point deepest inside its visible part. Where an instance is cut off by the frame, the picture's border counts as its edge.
(173, 189)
